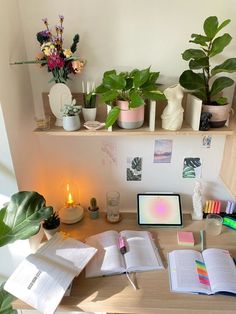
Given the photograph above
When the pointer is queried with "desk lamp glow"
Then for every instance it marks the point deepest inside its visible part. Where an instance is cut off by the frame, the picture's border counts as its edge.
(71, 212)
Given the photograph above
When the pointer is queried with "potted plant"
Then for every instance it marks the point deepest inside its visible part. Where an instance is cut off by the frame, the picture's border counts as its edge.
(93, 208)
(71, 120)
(89, 109)
(51, 225)
(19, 220)
(128, 90)
(202, 78)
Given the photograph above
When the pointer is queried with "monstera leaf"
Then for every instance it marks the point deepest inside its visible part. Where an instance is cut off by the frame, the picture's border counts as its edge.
(5, 302)
(21, 218)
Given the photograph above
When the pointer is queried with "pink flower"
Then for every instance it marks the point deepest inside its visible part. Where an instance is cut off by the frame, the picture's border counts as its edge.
(55, 61)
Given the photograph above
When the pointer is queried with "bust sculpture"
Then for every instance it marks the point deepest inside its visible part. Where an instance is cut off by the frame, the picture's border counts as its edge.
(172, 116)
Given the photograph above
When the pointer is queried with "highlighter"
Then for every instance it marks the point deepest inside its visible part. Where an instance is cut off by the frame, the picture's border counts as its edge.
(121, 244)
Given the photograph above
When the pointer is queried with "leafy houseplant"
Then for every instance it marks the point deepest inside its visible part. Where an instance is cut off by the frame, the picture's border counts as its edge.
(202, 77)
(93, 208)
(51, 225)
(134, 87)
(19, 220)
(71, 120)
(89, 109)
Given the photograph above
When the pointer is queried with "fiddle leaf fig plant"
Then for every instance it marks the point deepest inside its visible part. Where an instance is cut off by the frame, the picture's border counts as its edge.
(202, 77)
(135, 87)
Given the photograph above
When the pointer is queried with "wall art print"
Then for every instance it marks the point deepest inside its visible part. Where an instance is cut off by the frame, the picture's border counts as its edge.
(162, 151)
(192, 167)
(206, 141)
(134, 169)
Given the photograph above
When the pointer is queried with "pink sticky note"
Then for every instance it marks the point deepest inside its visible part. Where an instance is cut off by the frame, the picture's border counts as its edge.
(185, 238)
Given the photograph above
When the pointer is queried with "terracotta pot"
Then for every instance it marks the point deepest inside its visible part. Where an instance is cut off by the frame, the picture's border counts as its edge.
(130, 118)
(220, 114)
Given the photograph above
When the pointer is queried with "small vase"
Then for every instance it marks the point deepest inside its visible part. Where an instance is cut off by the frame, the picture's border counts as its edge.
(89, 114)
(71, 123)
(50, 232)
(130, 118)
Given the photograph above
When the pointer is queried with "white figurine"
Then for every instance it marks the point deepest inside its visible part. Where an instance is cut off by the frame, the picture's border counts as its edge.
(172, 116)
(197, 213)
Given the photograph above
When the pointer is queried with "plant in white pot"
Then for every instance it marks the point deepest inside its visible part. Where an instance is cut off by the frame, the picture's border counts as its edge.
(51, 225)
(126, 93)
(89, 109)
(71, 119)
(202, 78)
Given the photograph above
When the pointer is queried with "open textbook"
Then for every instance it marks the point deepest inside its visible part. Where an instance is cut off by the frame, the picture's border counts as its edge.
(42, 279)
(141, 253)
(212, 271)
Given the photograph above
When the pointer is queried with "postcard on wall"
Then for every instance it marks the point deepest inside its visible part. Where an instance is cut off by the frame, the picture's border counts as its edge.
(206, 141)
(134, 169)
(192, 167)
(109, 153)
(162, 151)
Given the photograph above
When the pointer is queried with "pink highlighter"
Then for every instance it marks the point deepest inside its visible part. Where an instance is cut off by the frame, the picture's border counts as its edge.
(121, 244)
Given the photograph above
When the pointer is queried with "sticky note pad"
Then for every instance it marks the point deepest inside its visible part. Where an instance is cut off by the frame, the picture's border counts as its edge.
(185, 238)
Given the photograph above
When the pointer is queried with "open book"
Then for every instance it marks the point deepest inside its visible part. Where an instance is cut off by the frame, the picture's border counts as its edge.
(141, 253)
(42, 278)
(212, 271)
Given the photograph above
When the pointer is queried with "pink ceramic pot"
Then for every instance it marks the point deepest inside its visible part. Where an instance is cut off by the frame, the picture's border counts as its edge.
(130, 118)
(220, 114)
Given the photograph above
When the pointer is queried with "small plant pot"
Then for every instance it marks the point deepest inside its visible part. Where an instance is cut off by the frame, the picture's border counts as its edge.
(130, 118)
(94, 214)
(71, 123)
(89, 114)
(50, 232)
(220, 114)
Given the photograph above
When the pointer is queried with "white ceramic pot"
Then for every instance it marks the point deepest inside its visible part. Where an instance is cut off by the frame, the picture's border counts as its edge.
(220, 114)
(89, 114)
(50, 232)
(71, 123)
(130, 118)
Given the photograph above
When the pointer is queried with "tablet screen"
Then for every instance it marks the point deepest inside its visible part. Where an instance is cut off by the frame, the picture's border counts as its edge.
(159, 209)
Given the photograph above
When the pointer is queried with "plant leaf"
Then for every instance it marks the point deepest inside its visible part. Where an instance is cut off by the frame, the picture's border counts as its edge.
(154, 95)
(135, 100)
(199, 63)
(199, 39)
(223, 24)
(193, 54)
(210, 26)
(112, 116)
(140, 77)
(228, 65)
(101, 89)
(5, 302)
(219, 44)
(109, 96)
(222, 100)
(191, 80)
(219, 84)
(114, 81)
(22, 216)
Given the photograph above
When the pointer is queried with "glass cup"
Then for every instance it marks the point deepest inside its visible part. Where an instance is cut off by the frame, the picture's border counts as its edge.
(113, 206)
(214, 224)
(43, 123)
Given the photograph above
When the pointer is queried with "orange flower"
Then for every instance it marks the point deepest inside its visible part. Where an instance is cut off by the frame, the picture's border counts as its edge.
(78, 65)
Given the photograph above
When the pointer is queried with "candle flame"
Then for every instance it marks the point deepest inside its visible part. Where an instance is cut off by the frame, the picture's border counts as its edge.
(70, 201)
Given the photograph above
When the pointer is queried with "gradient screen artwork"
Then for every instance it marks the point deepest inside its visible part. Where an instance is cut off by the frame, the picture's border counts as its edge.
(159, 209)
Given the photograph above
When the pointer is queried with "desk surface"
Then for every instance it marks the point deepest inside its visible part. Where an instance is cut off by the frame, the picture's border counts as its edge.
(114, 294)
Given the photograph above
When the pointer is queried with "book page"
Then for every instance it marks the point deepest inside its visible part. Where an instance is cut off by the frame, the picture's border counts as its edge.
(39, 283)
(69, 252)
(108, 259)
(221, 270)
(142, 253)
(187, 273)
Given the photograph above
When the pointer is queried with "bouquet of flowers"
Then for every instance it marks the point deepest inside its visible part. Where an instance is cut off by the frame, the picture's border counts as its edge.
(59, 61)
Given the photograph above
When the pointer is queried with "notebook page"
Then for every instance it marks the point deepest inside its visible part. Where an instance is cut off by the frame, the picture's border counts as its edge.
(221, 270)
(39, 284)
(184, 274)
(142, 253)
(108, 259)
(67, 251)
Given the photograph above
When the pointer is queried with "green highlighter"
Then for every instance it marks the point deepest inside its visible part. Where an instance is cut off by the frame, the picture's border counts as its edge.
(229, 222)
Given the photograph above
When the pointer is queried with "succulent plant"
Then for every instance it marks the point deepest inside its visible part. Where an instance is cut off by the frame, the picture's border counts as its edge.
(52, 222)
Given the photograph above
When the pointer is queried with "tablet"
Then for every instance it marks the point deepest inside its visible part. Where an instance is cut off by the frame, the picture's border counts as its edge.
(159, 209)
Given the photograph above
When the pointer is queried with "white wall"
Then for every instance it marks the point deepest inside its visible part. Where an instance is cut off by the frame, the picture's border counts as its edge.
(122, 35)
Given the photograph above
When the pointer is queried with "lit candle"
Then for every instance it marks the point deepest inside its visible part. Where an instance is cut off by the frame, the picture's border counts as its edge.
(70, 202)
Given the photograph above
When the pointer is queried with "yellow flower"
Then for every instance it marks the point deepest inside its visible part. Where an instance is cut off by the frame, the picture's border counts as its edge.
(78, 66)
(67, 53)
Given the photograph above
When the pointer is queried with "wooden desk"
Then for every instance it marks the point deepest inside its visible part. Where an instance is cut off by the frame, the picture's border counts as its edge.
(114, 294)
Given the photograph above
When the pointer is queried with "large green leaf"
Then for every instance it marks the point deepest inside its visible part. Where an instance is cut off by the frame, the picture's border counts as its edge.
(191, 80)
(199, 39)
(101, 89)
(219, 44)
(5, 302)
(219, 84)
(199, 63)
(114, 81)
(140, 77)
(136, 100)
(112, 116)
(227, 66)
(154, 95)
(193, 54)
(210, 26)
(21, 218)
(223, 24)
(109, 96)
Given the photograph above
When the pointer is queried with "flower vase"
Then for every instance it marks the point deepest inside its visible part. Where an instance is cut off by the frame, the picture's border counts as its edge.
(59, 96)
